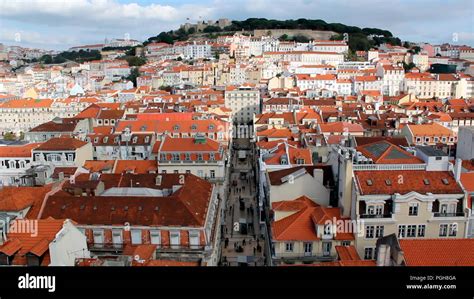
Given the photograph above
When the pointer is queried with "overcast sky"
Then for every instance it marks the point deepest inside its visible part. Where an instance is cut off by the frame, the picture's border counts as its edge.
(59, 24)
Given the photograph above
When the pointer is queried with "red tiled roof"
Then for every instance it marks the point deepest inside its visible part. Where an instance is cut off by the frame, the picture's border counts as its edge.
(383, 152)
(99, 165)
(438, 252)
(347, 253)
(18, 150)
(136, 166)
(28, 242)
(300, 226)
(14, 199)
(189, 145)
(185, 207)
(340, 127)
(406, 181)
(433, 129)
(62, 143)
(171, 263)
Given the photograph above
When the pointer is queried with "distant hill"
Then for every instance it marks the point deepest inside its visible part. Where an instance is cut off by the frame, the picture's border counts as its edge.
(359, 38)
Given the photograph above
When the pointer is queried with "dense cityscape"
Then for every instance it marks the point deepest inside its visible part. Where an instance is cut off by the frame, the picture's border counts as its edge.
(238, 143)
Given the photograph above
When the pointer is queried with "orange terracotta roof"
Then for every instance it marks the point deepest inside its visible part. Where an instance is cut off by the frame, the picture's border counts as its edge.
(347, 253)
(171, 263)
(136, 166)
(433, 129)
(438, 252)
(300, 226)
(20, 198)
(62, 143)
(189, 145)
(35, 243)
(340, 127)
(23, 151)
(99, 165)
(406, 181)
(187, 206)
(384, 152)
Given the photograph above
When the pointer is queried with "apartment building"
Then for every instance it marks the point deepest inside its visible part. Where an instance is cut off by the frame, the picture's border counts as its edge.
(408, 203)
(177, 213)
(244, 101)
(200, 156)
(305, 232)
(429, 134)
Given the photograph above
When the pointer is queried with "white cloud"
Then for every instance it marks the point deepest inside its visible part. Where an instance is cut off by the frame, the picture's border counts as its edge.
(107, 13)
(90, 21)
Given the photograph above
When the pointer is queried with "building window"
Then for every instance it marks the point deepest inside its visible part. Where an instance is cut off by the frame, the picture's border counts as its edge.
(369, 231)
(346, 243)
(413, 209)
(401, 231)
(327, 246)
(411, 231)
(379, 231)
(155, 237)
(289, 247)
(187, 156)
(421, 230)
(213, 174)
(174, 240)
(453, 229)
(443, 230)
(98, 238)
(375, 209)
(369, 253)
(53, 158)
(117, 237)
(194, 239)
(136, 236)
(308, 248)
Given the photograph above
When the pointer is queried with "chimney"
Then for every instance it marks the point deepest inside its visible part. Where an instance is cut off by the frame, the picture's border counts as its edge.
(158, 180)
(457, 169)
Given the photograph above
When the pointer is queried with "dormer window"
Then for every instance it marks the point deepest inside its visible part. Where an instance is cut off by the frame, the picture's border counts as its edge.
(163, 157)
(193, 127)
(212, 157)
(199, 157)
(283, 161)
(176, 127)
(175, 157)
(106, 139)
(187, 157)
(299, 161)
(135, 139)
(147, 139)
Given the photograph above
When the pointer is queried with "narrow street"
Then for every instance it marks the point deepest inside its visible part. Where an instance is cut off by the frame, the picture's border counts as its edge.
(242, 242)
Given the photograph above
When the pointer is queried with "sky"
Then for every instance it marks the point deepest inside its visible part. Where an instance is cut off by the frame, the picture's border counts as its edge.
(60, 24)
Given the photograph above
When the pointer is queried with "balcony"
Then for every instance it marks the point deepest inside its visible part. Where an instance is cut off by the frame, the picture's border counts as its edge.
(439, 214)
(375, 216)
(118, 247)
